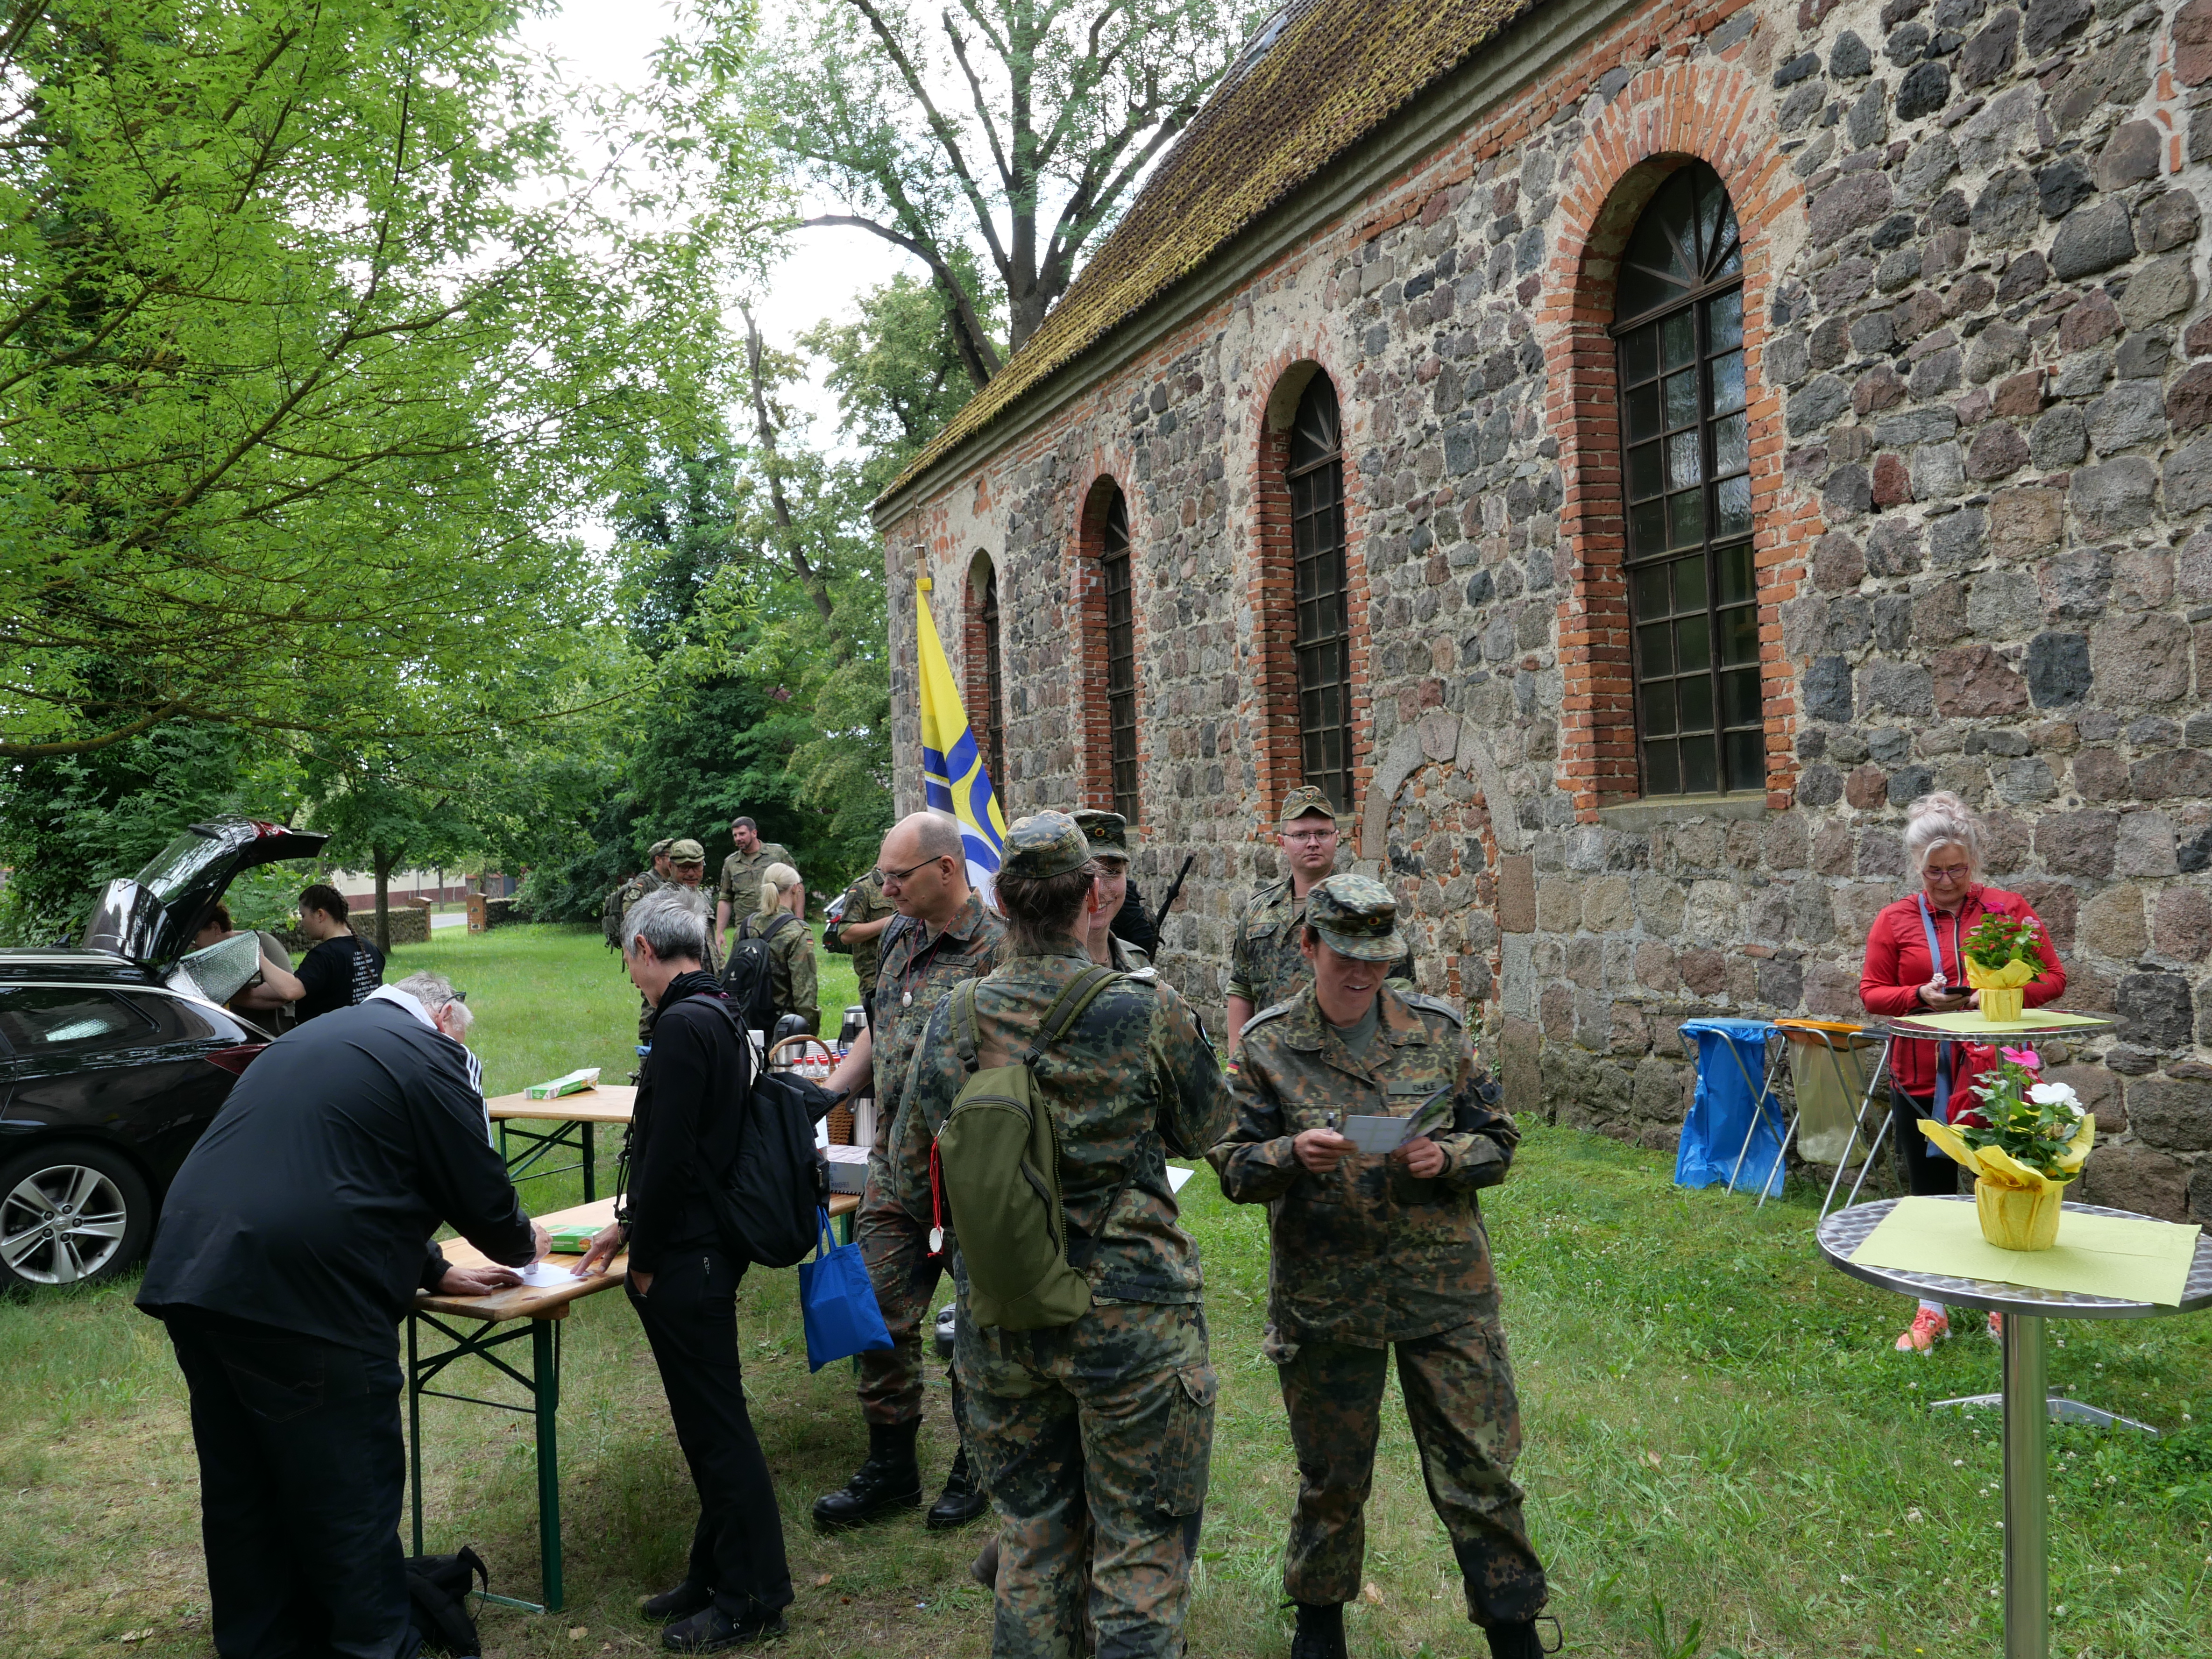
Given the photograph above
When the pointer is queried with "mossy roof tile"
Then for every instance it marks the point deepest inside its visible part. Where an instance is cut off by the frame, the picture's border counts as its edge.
(1336, 71)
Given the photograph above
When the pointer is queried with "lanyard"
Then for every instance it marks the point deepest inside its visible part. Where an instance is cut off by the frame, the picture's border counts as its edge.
(1943, 1049)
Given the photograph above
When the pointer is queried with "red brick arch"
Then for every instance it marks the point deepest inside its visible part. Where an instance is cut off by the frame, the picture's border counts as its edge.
(1669, 115)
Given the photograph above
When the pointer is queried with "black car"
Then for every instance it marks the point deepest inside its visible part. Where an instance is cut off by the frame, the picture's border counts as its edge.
(113, 1062)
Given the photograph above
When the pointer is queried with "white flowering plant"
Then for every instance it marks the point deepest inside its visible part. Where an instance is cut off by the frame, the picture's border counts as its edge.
(2027, 1122)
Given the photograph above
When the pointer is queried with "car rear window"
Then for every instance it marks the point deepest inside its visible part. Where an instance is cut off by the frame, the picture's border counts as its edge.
(50, 1019)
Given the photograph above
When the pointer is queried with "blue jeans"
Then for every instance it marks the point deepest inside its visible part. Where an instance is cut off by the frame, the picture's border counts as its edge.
(302, 1469)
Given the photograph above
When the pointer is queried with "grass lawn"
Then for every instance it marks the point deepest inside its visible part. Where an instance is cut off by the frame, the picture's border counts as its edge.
(1717, 1432)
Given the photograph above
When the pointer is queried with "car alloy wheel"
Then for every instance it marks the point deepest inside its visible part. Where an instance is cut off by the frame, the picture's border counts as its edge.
(62, 1223)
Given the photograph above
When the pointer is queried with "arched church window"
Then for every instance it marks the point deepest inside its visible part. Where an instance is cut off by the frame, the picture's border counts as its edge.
(1693, 608)
(1121, 656)
(1323, 639)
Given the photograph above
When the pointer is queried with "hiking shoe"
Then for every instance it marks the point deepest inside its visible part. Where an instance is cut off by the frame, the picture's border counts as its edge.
(1320, 1634)
(686, 1599)
(1927, 1328)
(713, 1630)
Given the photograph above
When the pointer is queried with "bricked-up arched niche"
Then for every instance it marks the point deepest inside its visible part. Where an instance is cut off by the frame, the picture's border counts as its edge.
(1668, 118)
(1106, 612)
(1309, 609)
(982, 667)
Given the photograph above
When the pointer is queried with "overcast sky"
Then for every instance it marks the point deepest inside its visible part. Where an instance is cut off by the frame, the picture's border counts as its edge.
(609, 42)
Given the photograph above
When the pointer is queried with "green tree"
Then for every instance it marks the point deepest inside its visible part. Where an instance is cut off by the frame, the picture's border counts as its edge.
(309, 327)
(1010, 129)
(897, 373)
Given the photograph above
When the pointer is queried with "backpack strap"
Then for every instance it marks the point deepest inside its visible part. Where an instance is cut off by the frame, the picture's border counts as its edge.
(1068, 1007)
(778, 920)
(964, 1023)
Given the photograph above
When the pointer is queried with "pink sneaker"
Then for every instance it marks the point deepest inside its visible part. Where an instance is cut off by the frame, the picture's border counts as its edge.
(1929, 1327)
(1997, 1328)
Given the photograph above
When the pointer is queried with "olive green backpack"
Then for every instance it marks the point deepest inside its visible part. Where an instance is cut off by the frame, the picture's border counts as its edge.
(996, 1165)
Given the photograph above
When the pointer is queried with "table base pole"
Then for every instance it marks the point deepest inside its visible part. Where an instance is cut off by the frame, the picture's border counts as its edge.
(2027, 1562)
(545, 1369)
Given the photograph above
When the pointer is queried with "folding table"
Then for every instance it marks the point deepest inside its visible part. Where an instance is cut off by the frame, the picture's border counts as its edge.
(575, 1116)
(481, 1326)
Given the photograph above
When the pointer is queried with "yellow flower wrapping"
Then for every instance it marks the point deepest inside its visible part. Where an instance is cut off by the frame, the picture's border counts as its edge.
(2010, 977)
(2000, 1169)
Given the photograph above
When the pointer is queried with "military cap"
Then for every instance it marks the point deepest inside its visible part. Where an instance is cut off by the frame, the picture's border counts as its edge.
(1107, 832)
(1356, 916)
(1302, 803)
(1045, 844)
(686, 851)
(660, 848)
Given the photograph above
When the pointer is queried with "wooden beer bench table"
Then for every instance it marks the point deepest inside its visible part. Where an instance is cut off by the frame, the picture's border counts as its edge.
(575, 1118)
(482, 1325)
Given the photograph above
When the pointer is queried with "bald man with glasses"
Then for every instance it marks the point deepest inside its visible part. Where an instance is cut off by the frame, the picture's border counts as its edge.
(943, 933)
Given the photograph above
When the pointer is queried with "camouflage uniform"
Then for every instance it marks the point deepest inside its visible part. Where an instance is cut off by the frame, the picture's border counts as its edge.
(621, 896)
(791, 976)
(864, 901)
(1366, 1258)
(740, 884)
(916, 972)
(1266, 964)
(1109, 838)
(1093, 1438)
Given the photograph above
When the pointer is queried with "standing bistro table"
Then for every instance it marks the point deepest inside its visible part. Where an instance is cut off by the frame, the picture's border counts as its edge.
(576, 1116)
(2027, 1402)
(1913, 1028)
(529, 1311)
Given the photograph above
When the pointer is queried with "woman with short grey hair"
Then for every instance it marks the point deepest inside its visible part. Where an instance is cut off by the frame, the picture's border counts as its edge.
(1915, 964)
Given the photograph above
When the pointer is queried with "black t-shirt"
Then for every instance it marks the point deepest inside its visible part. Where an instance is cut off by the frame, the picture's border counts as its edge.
(337, 974)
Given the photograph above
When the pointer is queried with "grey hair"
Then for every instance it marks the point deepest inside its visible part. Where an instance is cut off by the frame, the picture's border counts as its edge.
(938, 837)
(1935, 820)
(672, 921)
(435, 991)
(775, 881)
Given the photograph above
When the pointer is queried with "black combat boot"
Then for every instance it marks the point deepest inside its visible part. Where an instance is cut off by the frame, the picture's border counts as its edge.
(714, 1631)
(888, 1480)
(962, 1500)
(1320, 1634)
(1517, 1641)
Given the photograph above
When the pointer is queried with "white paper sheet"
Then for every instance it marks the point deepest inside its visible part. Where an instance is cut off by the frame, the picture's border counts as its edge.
(1176, 1176)
(548, 1275)
(1376, 1134)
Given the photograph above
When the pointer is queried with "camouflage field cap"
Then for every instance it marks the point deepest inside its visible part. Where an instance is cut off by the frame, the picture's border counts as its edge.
(1356, 916)
(660, 848)
(686, 851)
(1304, 803)
(1107, 832)
(1045, 844)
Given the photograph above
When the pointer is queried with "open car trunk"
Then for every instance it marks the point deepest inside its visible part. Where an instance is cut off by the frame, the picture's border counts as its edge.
(151, 918)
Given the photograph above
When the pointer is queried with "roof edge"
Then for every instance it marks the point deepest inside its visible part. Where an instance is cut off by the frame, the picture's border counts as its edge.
(1523, 50)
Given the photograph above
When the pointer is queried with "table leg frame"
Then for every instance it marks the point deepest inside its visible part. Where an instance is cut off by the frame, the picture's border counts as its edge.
(568, 1136)
(542, 1382)
(2027, 1480)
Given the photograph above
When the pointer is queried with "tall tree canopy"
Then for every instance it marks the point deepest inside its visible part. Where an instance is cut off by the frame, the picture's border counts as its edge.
(1012, 129)
(308, 332)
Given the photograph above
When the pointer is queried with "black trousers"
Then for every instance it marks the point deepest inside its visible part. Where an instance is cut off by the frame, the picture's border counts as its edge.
(690, 1319)
(301, 1473)
(1926, 1172)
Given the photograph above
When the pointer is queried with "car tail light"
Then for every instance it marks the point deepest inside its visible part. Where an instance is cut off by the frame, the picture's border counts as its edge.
(235, 1060)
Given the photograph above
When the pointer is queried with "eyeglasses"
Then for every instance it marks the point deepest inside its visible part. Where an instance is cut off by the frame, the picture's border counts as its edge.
(1309, 835)
(1946, 872)
(887, 877)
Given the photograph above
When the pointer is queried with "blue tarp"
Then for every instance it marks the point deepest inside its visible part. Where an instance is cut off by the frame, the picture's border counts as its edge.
(1713, 1135)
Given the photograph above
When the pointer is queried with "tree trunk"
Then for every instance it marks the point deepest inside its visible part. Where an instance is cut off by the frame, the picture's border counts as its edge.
(383, 861)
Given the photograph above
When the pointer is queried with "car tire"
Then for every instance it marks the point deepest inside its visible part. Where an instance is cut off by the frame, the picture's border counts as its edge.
(71, 1212)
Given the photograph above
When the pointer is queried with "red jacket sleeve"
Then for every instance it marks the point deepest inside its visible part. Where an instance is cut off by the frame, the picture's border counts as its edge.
(2053, 984)
(1878, 987)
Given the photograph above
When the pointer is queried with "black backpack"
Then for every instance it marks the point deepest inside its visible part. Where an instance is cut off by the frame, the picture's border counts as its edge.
(766, 1208)
(747, 980)
(438, 1589)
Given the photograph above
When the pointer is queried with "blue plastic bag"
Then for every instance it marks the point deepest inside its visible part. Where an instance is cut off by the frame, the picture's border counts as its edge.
(1713, 1133)
(838, 1301)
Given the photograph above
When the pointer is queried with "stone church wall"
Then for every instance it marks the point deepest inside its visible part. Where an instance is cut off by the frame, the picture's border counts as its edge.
(1981, 360)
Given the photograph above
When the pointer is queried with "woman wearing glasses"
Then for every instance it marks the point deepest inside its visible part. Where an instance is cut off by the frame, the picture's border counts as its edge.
(1914, 965)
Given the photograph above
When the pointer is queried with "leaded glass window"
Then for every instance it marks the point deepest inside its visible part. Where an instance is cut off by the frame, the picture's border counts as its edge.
(1324, 630)
(1120, 659)
(1692, 602)
(994, 724)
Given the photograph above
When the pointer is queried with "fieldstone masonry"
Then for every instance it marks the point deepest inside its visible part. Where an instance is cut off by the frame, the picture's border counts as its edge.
(1981, 348)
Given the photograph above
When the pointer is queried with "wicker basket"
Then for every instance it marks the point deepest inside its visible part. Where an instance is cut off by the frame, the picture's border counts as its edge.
(840, 1125)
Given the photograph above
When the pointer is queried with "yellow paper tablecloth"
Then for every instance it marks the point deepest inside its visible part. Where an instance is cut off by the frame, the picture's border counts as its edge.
(2136, 1261)
(1968, 1022)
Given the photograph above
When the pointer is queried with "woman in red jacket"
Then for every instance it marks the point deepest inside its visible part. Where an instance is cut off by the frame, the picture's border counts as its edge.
(1914, 966)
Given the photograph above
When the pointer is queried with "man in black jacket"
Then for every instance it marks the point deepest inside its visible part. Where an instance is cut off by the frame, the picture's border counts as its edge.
(685, 1129)
(291, 1244)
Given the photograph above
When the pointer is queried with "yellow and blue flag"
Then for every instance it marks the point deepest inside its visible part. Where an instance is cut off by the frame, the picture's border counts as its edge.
(952, 776)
